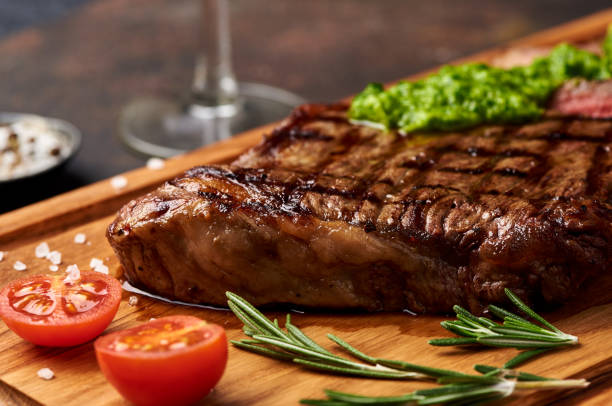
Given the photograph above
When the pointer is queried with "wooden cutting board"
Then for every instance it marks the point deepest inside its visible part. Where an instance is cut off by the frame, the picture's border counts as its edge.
(250, 379)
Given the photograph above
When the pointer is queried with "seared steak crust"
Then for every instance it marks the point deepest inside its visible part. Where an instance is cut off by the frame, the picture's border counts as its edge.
(324, 213)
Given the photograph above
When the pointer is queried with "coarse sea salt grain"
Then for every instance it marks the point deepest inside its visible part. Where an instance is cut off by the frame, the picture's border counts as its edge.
(19, 266)
(55, 257)
(53, 268)
(45, 373)
(118, 182)
(133, 301)
(74, 274)
(95, 262)
(97, 265)
(2, 253)
(155, 164)
(80, 238)
(41, 250)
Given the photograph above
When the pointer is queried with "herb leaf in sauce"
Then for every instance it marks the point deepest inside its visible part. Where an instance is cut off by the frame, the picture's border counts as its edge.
(466, 95)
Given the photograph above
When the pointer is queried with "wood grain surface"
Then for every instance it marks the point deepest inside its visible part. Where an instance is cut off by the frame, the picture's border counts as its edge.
(250, 379)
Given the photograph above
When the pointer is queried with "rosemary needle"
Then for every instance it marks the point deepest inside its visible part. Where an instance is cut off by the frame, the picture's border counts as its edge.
(515, 332)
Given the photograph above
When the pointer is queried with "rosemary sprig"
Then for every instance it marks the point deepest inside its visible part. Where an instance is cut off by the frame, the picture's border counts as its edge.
(458, 388)
(515, 332)
(268, 339)
(466, 390)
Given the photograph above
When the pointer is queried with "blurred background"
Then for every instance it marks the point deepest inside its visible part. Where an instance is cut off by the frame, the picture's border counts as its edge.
(82, 60)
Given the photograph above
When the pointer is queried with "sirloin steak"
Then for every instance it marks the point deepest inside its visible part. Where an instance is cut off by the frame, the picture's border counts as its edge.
(328, 214)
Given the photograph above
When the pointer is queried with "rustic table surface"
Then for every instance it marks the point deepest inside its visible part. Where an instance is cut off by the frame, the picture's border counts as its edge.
(86, 65)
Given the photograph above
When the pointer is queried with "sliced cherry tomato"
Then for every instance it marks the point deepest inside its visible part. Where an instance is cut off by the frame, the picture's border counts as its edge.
(174, 360)
(60, 311)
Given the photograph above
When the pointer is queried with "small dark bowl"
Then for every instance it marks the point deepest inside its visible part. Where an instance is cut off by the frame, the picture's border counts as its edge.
(72, 137)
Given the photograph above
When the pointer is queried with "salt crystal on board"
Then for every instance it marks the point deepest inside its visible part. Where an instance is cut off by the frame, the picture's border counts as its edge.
(133, 301)
(155, 164)
(55, 257)
(97, 265)
(95, 262)
(80, 238)
(19, 266)
(2, 253)
(118, 182)
(102, 269)
(41, 250)
(53, 268)
(45, 373)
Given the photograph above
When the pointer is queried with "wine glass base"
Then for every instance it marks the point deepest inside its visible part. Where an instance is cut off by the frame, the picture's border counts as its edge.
(164, 128)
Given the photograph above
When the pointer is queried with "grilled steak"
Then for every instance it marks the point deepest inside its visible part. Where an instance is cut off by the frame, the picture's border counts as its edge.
(324, 213)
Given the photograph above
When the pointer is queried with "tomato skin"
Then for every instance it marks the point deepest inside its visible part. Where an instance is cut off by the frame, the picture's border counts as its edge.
(60, 330)
(174, 377)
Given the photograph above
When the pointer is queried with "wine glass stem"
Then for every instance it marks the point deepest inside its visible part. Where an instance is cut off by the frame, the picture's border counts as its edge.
(214, 83)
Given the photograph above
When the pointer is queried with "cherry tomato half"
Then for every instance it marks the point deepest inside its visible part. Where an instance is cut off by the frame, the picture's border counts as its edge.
(174, 360)
(52, 311)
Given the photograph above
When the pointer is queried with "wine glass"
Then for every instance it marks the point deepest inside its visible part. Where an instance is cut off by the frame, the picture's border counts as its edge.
(216, 107)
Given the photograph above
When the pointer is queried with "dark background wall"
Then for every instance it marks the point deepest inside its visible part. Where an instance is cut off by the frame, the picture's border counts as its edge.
(18, 14)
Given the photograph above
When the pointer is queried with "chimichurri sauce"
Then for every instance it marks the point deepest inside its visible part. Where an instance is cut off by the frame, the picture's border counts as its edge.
(467, 95)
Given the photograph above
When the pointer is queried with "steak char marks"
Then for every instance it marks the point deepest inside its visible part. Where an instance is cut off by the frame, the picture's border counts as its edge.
(327, 214)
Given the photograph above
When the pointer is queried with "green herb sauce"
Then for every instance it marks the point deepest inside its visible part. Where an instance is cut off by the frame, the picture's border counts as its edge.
(467, 95)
